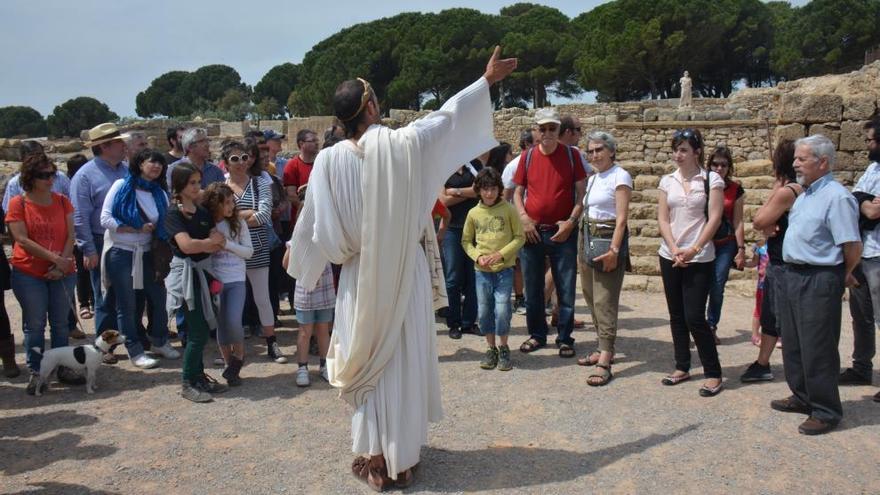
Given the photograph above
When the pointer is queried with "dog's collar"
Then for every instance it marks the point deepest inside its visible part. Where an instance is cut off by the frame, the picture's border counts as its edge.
(102, 351)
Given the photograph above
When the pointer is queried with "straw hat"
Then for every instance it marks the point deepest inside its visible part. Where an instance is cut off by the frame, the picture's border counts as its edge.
(103, 133)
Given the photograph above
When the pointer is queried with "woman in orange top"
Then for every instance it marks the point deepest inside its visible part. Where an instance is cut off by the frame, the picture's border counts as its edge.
(43, 267)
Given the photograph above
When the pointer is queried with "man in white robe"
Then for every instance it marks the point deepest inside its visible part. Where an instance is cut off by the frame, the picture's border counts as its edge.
(367, 208)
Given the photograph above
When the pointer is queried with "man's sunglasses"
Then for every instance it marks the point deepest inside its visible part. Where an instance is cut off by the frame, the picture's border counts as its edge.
(548, 128)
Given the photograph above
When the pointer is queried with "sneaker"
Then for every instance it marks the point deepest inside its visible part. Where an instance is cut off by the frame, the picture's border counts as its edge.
(166, 351)
(504, 363)
(32, 384)
(69, 376)
(210, 385)
(455, 333)
(853, 377)
(195, 394)
(109, 358)
(302, 377)
(519, 305)
(757, 373)
(144, 362)
(490, 360)
(274, 353)
(324, 375)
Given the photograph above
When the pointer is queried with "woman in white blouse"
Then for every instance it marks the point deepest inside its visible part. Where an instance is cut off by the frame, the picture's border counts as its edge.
(133, 212)
(688, 213)
(606, 206)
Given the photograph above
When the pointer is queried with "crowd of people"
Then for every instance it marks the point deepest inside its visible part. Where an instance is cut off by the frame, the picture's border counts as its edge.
(136, 233)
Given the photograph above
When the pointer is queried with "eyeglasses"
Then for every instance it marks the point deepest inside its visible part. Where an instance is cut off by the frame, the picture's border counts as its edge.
(45, 174)
(238, 158)
(720, 164)
(548, 128)
(595, 151)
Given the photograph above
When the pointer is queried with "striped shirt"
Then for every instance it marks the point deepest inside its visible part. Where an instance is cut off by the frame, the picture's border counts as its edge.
(258, 199)
(323, 297)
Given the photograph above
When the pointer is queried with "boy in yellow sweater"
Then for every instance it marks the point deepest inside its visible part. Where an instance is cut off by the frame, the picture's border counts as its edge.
(492, 237)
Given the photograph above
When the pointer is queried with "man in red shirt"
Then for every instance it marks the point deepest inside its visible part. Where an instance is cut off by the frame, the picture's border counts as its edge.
(550, 187)
(298, 169)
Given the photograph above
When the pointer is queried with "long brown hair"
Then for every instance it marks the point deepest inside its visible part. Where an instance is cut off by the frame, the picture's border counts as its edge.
(212, 200)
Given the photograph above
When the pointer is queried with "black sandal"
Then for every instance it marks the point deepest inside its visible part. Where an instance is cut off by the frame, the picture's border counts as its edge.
(604, 376)
(566, 351)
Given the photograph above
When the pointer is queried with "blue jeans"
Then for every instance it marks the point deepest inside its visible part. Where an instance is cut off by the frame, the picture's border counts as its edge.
(126, 300)
(493, 299)
(39, 297)
(105, 305)
(563, 265)
(459, 271)
(724, 254)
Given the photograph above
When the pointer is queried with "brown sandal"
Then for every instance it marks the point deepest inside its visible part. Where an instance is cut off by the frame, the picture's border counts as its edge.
(589, 361)
(603, 376)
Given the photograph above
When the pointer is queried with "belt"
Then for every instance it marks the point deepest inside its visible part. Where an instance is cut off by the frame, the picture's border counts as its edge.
(545, 227)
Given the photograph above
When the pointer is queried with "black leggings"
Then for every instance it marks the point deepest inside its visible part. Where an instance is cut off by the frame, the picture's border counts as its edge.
(687, 290)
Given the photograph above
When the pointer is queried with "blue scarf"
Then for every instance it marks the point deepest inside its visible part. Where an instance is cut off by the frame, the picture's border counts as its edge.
(125, 207)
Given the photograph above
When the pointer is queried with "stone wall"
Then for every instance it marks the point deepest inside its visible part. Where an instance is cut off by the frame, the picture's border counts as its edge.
(750, 123)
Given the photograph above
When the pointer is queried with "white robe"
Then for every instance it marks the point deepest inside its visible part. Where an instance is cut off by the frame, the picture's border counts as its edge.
(392, 417)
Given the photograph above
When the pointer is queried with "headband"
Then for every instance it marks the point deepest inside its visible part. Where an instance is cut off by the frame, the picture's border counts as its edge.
(365, 97)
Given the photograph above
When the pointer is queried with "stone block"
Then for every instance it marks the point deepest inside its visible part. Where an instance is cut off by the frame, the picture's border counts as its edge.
(811, 108)
(650, 231)
(761, 182)
(682, 116)
(698, 115)
(852, 135)
(642, 182)
(742, 114)
(233, 128)
(666, 115)
(718, 115)
(642, 246)
(651, 114)
(642, 212)
(789, 131)
(845, 162)
(757, 196)
(645, 265)
(831, 131)
(858, 107)
(73, 146)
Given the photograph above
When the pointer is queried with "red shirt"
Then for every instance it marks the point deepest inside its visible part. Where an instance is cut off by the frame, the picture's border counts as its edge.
(549, 183)
(440, 210)
(296, 173)
(46, 225)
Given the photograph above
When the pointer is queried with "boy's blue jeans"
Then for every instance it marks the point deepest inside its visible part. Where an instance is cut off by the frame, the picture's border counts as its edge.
(493, 301)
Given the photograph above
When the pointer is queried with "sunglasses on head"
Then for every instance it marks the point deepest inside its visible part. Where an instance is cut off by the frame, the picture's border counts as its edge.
(238, 158)
(687, 134)
(548, 128)
(45, 174)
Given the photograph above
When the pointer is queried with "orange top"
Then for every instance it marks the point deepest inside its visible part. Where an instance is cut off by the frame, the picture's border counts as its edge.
(46, 225)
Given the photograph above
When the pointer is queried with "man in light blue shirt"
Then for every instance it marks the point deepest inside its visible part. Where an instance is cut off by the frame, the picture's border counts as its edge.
(88, 189)
(822, 248)
(864, 300)
(198, 152)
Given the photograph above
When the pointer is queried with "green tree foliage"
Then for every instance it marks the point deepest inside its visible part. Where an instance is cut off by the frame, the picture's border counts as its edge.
(77, 114)
(181, 93)
(276, 87)
(543, 40)
(825, 36)
(21, 121)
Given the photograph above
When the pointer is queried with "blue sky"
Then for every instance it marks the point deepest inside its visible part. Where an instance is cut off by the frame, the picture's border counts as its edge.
(54, 50)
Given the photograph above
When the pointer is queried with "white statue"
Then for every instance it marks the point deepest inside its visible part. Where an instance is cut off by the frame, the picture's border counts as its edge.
(686, 89)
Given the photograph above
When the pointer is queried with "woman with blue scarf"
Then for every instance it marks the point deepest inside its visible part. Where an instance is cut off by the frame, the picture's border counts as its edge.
(134, 211)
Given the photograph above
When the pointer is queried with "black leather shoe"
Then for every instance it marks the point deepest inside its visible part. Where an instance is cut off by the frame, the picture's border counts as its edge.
(455, 333)
(853, 377)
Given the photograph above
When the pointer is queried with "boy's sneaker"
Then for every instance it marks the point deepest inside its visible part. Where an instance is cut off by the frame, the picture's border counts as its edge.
(275, 354)
(519, 305)
(504, 363)
(166, 351)
(757, 373)
(324, 374)
(490, 360)
(302, 377)
(190, 392)
(144, 362)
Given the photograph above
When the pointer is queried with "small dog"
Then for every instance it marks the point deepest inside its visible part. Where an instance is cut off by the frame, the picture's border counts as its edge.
(81, 357)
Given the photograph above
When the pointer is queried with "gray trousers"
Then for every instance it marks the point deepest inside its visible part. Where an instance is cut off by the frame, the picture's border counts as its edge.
(864, 304)
(809, 307)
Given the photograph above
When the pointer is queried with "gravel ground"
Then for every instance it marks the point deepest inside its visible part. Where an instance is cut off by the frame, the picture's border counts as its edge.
(536, 429)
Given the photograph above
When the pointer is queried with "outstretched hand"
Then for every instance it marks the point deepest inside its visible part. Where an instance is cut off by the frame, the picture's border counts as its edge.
(498, 68)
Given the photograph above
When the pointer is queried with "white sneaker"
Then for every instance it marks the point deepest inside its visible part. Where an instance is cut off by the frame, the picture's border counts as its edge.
(324, 374)
(302, 377)
(144, 362)
(166, 351)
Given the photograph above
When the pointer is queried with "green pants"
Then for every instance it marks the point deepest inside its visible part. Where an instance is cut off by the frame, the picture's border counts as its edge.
(196, 338)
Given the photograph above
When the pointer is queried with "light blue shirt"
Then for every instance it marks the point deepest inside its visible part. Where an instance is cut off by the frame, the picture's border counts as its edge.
(210, 173)
(61, 185)
(870, 183)
(87, 191)
(821, 220)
